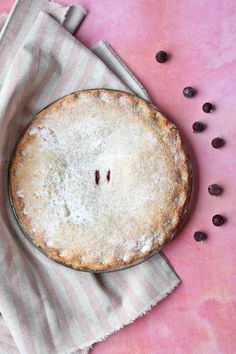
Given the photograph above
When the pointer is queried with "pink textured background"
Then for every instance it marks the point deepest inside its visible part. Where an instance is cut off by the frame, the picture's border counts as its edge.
(199, 317)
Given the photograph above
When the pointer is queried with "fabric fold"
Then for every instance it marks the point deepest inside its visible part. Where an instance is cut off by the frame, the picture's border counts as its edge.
(104, 51)
(16, 27)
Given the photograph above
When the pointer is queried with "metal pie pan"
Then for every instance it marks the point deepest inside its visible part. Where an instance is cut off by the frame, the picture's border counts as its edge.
(139, 261)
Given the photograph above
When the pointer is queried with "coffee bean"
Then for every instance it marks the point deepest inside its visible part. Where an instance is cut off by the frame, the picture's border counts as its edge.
(217, 143)
(161, 56)
(207, 107)
(215, 189)
(198, 127)
(188, 92)
(218, 220)
(199, 236)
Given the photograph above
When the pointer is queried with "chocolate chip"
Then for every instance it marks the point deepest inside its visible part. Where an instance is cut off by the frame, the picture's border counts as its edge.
(199, 236)
(207, 107)
(188, 92)
(161, 56)
(218, 220)
(217, 143)
(198, 127)
(215, 189)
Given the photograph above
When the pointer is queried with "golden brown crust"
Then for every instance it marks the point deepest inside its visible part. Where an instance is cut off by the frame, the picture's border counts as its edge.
(174, 217)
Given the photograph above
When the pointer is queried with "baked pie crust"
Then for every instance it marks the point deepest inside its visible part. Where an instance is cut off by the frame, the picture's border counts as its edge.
(100, 180)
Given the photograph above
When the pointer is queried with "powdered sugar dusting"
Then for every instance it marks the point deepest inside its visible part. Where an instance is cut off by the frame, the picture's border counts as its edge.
(110, 219)
(20, 193)
(33, 131)
(64, 254)
(25, 211)
(50, 243)
(146, 246)
(123, 101)
(23, 153)
(105, 97)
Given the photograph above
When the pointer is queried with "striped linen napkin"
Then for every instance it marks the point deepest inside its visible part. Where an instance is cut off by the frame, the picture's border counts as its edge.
(45, 307)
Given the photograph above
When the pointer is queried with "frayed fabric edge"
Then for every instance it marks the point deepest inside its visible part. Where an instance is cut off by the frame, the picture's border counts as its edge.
(83, 10)
(60, 7)
(141, 313)
(67, 9)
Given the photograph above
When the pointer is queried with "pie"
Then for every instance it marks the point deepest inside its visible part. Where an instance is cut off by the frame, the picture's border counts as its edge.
(100, 180)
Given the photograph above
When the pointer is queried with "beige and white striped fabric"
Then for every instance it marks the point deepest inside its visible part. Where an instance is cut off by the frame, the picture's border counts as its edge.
(45, 307)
